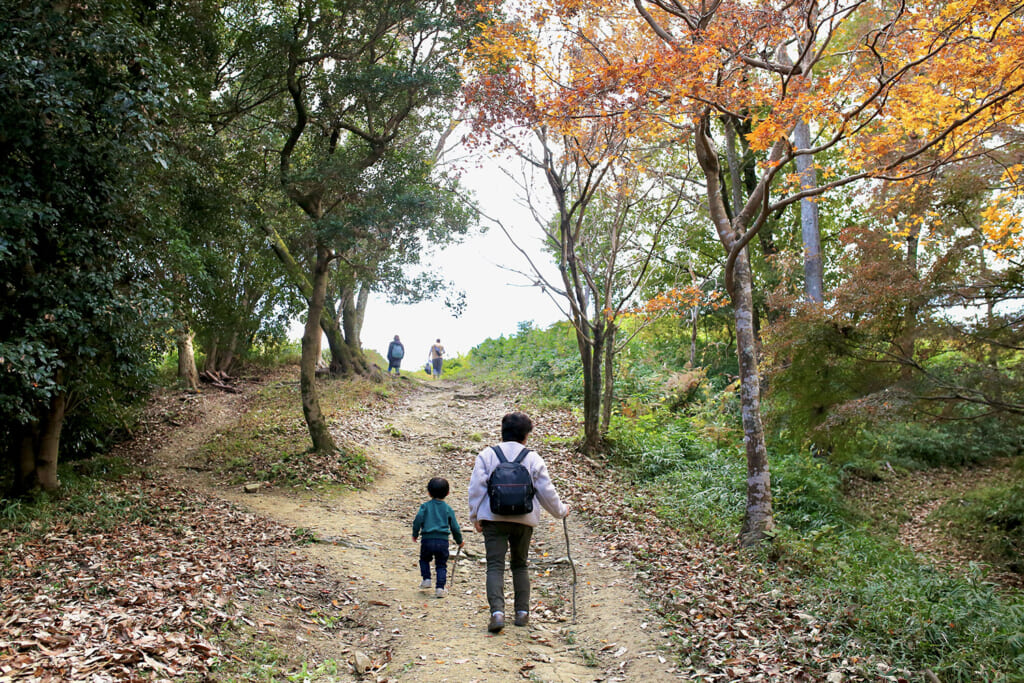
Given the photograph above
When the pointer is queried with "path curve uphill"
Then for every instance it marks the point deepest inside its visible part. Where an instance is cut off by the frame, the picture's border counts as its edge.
(436, 429)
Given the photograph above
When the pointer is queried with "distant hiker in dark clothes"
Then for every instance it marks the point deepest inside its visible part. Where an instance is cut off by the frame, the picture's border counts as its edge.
(436, 357)
(510, 533)
(396, 352)
(435, 519)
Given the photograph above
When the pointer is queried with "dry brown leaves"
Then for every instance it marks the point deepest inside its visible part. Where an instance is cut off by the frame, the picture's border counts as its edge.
(137, 600)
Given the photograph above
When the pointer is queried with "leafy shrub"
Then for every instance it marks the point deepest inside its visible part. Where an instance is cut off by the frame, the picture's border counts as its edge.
(700, 487)
(915, 445)
(549, 357)
(806, 494)
(653, 444)
(903, 612)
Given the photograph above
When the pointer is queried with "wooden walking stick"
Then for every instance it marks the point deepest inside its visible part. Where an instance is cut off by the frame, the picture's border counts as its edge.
(455, 564)
(568, 552)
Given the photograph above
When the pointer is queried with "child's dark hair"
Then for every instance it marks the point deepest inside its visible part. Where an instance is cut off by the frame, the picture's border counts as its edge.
(515, 426)
(438, 488)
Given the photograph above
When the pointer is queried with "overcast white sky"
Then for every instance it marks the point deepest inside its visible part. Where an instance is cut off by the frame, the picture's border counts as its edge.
(497, 300)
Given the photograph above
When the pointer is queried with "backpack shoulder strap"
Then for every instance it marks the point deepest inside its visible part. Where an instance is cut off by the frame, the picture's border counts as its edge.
(522, 455)
(497, 452)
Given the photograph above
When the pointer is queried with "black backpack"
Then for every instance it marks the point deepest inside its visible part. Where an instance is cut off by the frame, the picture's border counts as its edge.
(510, 487)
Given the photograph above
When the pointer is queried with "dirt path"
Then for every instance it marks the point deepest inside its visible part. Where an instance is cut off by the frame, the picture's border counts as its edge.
(437, 431)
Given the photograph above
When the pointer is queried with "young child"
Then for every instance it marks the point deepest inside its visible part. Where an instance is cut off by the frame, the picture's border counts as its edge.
(435, 519)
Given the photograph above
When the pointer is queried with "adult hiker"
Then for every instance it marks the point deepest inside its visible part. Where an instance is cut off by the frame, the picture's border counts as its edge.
(436, 355)
(396, 352)
(492, 489)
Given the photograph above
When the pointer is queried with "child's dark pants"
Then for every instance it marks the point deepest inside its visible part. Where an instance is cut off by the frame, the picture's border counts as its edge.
(435, 549)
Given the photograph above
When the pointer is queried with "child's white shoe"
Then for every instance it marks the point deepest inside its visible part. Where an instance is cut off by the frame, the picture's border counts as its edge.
(425, 584)
(440, 592)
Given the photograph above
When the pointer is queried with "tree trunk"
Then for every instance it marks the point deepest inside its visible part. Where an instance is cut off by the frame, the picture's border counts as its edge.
(758, 521)
(341, 363)
(906, 341)
(49, 444)
(589, 357)
(592, 377)
(228, 356)
(349, 317)
(361, 302)
(735, 167)
(318, 431)
(25, 477)
(694, 321)
(810, 229)
(609, 380)
(210, 363)
(351, 322)
(187, 372)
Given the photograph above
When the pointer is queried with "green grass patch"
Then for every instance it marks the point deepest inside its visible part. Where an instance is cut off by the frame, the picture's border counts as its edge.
(914, 616)
(254, 659)
(270, 442)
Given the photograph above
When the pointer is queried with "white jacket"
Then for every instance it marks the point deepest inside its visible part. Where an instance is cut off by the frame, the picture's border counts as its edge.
(545, 494)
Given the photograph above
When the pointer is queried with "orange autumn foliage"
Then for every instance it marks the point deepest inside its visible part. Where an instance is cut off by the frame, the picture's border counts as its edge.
(881, 84)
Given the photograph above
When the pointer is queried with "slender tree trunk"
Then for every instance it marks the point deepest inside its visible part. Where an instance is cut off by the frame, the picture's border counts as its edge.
(590, 355)
(348, 317)
(187, 371)
(592, 381)
(694, 320)
(315, 421)
(210, 363)
(906, 342)
(758, 521)
(361, 302)
(25, 465)
(341, 362)
(351, 323)
(810, 228)
(609, 381)
(228, 357)
(49, 444)
(735, 167)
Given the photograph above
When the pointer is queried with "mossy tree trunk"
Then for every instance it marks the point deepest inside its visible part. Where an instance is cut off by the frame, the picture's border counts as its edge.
(315, 421)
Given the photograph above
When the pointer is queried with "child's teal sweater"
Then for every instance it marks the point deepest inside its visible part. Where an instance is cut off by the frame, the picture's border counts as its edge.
(435, 518)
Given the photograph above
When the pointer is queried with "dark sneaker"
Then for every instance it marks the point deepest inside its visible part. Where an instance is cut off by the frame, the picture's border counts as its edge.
(497, 622)
(522, 618)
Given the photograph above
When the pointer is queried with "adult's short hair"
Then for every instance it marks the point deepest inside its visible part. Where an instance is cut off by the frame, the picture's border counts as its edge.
(438, 488)
(515, 426)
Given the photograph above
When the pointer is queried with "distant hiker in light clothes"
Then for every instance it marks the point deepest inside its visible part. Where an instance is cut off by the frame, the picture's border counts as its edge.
(395, 354)
(435, 519)
(436, 355)
(503, 534)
